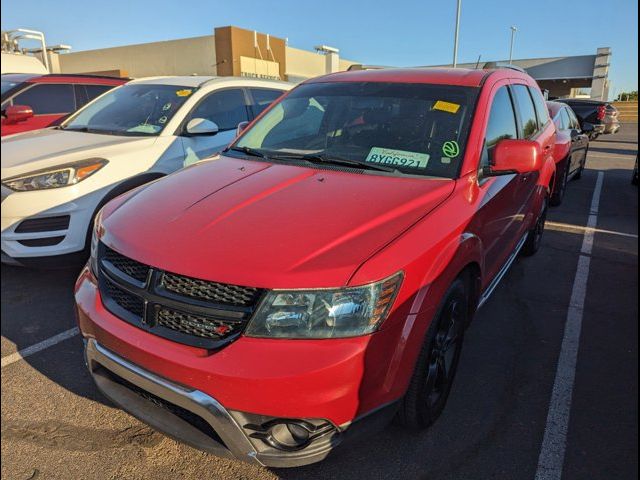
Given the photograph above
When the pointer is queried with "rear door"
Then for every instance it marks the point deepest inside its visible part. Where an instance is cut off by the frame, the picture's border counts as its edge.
(535, 125)
(49, 102)
(227, 108)
(579, 141)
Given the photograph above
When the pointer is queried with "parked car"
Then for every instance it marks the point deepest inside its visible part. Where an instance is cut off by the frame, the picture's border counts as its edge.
(55, 180)
(602, 115)
(320, 275)
(30, 101)
(570, 152)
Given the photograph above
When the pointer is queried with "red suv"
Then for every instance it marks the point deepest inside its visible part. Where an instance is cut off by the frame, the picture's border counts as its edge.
(318, 277)
(31, 101)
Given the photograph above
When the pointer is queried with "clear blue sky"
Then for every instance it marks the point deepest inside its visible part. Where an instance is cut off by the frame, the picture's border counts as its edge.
(395, 32)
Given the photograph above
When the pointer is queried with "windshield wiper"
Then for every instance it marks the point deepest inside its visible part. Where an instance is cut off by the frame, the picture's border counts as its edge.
(75, 129)
(247, 151)
(323, 158)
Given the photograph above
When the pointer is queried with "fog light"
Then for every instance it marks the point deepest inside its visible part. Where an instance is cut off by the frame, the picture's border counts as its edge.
(289, 435)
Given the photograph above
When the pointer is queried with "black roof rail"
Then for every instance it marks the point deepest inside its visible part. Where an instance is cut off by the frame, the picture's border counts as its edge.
(86, 75)
(511, 66)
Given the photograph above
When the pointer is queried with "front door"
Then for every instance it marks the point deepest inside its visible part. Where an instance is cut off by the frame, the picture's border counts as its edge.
(226, 108)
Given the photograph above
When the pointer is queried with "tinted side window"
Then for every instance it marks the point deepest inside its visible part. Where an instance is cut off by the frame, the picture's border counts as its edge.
(86, 93)
(501, 125)
(541, 107)
(226, 108)
(48, 99)
(526, 109)
(262, 98)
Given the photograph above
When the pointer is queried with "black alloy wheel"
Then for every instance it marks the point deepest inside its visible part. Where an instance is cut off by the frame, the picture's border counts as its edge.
(534, 237)
(438, 360)
(558, 194)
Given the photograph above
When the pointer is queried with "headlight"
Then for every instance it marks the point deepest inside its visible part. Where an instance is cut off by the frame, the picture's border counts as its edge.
(96, 234)
(62, 176)
(346, 312)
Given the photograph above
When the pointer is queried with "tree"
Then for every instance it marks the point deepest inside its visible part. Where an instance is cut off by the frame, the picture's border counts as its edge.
(628, 96)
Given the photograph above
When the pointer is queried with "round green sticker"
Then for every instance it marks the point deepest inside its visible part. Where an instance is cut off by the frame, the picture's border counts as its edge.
(451, 149)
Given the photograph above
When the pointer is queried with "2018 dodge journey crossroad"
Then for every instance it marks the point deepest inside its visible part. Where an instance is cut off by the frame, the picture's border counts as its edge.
(317, 279)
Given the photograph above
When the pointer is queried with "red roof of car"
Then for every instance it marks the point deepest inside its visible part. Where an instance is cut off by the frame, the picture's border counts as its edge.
(443, 76)
(72, 78)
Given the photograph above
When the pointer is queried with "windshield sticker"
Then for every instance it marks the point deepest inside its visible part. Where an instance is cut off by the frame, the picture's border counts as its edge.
(184, 92)
(162, 119)
(451, 149)
(400, 158)
(166, 106)
(446, 106)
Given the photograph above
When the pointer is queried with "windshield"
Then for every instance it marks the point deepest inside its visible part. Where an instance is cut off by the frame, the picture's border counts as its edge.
(131, 110)
(418, 129)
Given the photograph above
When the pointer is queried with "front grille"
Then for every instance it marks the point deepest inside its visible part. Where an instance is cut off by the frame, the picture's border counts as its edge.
(197, 325)
(130, 302)
(34, 225)
(210, 291)
(132, 268)
(183, 309)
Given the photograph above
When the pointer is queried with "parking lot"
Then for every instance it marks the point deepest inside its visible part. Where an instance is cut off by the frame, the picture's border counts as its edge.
(56, 425)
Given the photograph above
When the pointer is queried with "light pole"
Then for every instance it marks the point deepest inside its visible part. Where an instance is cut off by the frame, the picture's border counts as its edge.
(513, 35)
(455, 40)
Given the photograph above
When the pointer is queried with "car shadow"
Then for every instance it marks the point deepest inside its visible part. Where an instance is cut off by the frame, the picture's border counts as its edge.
(36, 305)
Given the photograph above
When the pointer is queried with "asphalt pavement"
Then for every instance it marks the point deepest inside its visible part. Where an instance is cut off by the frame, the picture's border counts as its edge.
(55, 425)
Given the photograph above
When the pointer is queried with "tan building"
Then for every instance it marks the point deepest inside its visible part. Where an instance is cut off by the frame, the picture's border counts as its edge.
(229, 51)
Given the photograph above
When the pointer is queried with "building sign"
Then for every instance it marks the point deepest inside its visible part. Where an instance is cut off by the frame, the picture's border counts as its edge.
(258, 68)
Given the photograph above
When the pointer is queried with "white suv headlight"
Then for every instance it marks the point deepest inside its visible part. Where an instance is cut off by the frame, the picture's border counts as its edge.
(57, 177)
(345, 312)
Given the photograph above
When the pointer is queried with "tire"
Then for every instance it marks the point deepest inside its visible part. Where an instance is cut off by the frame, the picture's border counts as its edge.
(534, 237)
(558, 193)
(437, 362)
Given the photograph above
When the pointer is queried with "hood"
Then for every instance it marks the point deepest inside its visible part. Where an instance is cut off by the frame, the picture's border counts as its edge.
(267, 225)
(38, 149)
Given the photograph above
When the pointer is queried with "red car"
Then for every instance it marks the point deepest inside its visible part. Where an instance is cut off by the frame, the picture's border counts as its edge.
(318, 277)
(570, 152)
(30, 102)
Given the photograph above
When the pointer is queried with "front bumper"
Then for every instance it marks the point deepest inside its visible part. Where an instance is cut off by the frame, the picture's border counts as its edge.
(42, 205)
(238, 391)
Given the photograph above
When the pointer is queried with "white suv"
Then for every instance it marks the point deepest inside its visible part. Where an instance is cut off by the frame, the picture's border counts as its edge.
(55, 180)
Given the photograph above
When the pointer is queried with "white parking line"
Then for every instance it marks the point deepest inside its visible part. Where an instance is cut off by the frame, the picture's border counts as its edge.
(49, 342)
(554, 442)
(568, 227)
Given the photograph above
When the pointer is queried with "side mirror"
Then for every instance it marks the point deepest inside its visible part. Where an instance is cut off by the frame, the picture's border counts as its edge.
(587, 127)
(201, 127)
(17, 113)
(241, 127)
(515, 156)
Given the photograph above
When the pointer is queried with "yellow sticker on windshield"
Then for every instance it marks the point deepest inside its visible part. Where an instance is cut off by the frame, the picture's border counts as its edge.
(184, 92)
(446, 106)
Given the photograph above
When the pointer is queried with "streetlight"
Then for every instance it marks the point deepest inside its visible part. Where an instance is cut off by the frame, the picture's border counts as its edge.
(455, 41)
(513, 35)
